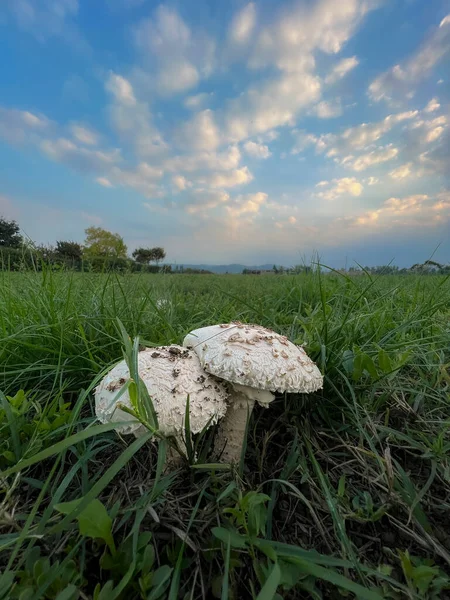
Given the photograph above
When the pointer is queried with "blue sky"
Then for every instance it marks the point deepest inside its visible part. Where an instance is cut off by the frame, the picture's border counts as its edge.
(230, 131)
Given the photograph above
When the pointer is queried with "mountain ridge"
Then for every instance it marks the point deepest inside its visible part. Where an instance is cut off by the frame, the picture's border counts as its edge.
(221, 269)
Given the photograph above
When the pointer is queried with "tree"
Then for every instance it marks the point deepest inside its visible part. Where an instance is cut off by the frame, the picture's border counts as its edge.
(9, 234)
(100, 242)
(146, 255)
(142, 255)
(70, 250)
(158, 254)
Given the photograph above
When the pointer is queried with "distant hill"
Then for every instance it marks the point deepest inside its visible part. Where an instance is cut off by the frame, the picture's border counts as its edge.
(234, 268)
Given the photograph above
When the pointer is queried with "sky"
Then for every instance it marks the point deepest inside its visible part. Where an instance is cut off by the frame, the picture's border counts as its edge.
(258, 132)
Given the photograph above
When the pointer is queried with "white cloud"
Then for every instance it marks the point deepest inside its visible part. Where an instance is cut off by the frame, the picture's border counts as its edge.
(403, 78)
(248, 204)
(211, 161)
(84, 135)
(243, 25)
(104, 181)
(268, 136)
(355, 148)
(200, 133)
(434, 134)
(291, 38)
(48, 18)
(257, 150)
(180, 182)
(432, 105)
(271, 104)
(197, 101)
(177, 77)
(346, 185)
(367, 133)
(227, 179)
(402, 172)
(132, 120)
(328, 110)
(144, 179)
(375, 157)
(19, 126)
(83, 159)
(292, 220)
(442, 202)
(359, 137)
(424, 132)
(303, 140)
(418, 210)
(341, 69)
(121, 89)
(371, 180)
(436, 160)
(203, 201)
(178, 57)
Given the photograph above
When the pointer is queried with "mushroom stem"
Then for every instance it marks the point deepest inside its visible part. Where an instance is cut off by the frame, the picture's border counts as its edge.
(231, 432)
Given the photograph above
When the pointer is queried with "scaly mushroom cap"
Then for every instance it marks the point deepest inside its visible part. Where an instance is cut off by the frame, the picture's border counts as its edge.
(170, 373)
(254, 356)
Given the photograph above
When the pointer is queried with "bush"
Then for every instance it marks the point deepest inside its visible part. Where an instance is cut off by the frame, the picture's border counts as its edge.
(33, 259)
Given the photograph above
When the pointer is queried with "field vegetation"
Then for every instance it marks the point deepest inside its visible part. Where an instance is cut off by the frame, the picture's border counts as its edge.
(343, 493)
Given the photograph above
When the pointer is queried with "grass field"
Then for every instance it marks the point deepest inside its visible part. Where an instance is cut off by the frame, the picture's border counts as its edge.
(343, 493)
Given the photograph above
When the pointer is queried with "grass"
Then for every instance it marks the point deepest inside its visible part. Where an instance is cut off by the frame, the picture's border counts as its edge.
(343, 493)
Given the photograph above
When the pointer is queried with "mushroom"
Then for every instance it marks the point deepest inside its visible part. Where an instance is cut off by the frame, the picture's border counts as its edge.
(171, 374)
(256, 361)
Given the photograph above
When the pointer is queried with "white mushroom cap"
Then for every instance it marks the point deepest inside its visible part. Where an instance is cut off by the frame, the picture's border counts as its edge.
(170, 373)
(251, 355)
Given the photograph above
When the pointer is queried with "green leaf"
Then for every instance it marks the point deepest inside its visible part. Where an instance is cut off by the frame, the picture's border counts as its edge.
(268, 550)
(269, 589)
(105, 479)
(290, 574)
(357, 367)
(106, 592)
(225, 581)
(148, 559)
(70, 593)
(384, 361)
(60, 447)
(347, 361)
(160, 582)
(341, 487)
(13, 426)
(227, 491)
(212, 467)
(93, 520)
(362, 593)
(229, 537)
(370, 367)
(423, 576)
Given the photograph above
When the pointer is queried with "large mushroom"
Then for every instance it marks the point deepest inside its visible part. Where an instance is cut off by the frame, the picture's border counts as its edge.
(257, 362)
(171, 374)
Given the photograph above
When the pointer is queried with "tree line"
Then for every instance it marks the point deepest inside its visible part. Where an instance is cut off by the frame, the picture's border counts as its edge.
(101, 249)
(428, 267)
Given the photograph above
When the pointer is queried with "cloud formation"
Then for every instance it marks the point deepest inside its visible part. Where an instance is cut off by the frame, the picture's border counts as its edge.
(405, 77)
(261, 124)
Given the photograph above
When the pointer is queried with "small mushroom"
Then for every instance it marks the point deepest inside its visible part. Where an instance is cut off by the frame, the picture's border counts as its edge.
(257, 362)
(171, 374)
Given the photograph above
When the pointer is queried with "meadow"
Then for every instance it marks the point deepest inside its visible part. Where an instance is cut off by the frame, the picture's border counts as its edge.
(343, 493)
